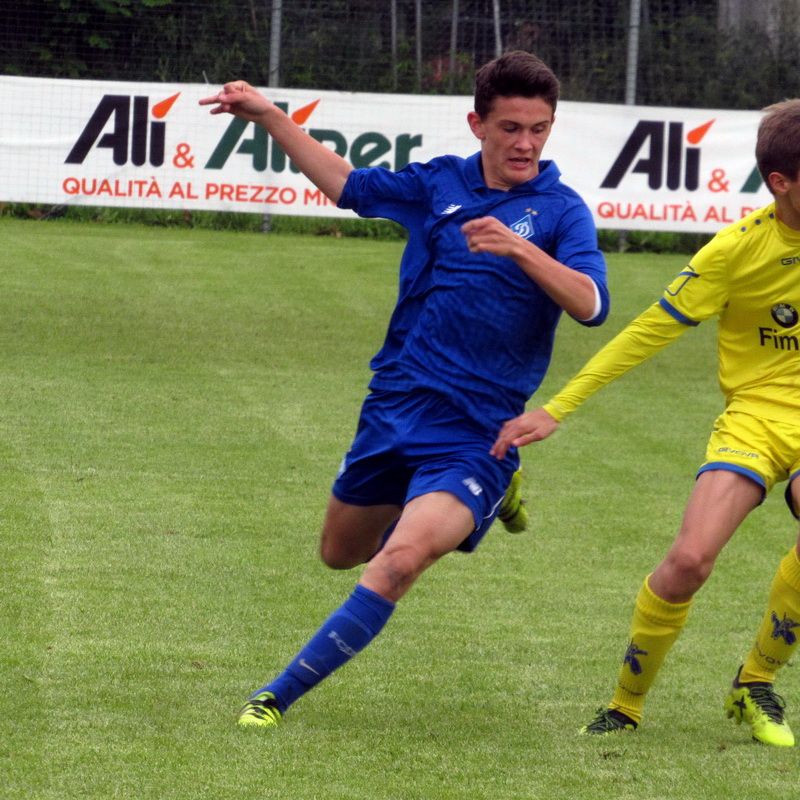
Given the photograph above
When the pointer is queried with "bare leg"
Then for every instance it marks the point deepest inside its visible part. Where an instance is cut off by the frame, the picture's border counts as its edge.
(719, 503)
(351, 534)
(430, 526)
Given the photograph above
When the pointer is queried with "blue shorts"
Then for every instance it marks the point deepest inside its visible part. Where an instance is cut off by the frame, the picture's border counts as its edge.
(410, 444)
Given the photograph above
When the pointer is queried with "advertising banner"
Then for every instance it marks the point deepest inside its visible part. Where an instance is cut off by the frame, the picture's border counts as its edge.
(150, 145)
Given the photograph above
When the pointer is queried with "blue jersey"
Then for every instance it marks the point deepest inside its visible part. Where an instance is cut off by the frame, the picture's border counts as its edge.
(415, 273)
(473, 326)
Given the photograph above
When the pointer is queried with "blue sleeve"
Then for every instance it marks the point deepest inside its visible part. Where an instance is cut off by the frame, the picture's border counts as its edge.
(378, 192)
(576, 247)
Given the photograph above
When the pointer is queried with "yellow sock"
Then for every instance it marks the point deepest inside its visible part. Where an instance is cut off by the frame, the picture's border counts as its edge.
(777, 636)
(654, 628)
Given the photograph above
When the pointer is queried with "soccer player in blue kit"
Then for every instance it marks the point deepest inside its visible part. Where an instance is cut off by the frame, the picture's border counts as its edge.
(498, 247)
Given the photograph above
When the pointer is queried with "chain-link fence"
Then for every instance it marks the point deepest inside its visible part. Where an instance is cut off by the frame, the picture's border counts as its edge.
(694, 53)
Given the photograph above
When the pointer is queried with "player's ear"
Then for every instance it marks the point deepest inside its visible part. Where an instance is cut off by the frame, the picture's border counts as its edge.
(778, 183)
(476, 125)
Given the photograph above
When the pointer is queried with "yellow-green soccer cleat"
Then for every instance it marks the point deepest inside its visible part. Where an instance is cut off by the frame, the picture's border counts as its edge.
(260, 711)
(762, 709)
(609, 720)
(513, 513)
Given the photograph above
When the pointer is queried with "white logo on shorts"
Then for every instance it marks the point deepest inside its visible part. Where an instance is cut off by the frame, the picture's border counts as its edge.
(473, 486)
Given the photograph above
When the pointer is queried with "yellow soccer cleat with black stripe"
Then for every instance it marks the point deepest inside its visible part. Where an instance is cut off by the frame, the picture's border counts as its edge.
(260, 711)
(513, 513)
(762, 709)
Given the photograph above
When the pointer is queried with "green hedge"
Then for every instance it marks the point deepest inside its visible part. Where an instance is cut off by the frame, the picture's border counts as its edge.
(610, 241)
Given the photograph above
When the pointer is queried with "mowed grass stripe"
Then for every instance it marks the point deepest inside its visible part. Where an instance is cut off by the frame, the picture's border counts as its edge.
(25, 622)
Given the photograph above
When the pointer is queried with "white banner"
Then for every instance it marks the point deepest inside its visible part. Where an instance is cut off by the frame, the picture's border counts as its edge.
(150, 145)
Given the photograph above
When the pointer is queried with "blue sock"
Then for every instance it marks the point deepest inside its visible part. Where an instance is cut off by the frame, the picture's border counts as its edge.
(346, 632)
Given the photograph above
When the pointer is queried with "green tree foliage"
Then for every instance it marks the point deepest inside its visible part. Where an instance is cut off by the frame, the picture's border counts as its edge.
(685, 58)
(159, 40)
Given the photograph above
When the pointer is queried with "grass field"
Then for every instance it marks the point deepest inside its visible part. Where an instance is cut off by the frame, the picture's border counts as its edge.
(173, 407)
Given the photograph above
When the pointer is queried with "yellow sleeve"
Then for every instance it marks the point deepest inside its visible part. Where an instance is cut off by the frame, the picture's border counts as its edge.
(645, 336)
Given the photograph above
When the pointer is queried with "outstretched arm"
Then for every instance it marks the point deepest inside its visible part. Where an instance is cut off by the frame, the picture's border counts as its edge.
(324, 168)
(643, 337)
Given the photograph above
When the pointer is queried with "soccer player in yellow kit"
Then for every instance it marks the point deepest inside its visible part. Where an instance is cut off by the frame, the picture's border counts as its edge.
(748, 276)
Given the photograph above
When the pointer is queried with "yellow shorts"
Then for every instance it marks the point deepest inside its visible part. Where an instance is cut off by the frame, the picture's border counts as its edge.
(764, 450)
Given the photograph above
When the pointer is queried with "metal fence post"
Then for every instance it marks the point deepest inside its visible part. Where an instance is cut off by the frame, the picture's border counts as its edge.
(274, 75)
(634, 24)
(453, 46)
(498, 34)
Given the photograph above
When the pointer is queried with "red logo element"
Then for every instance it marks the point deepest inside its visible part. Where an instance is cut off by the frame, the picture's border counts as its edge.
(696, 134)
(160, 110)
(302, 114)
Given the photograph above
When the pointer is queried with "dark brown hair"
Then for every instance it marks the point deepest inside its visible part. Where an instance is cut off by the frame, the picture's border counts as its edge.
(514, 74)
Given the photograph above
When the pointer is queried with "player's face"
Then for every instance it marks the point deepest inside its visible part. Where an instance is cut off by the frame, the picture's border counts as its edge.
(787, 198)
(512, 136)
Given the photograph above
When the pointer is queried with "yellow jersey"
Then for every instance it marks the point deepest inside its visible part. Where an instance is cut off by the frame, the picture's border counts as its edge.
(748, 276)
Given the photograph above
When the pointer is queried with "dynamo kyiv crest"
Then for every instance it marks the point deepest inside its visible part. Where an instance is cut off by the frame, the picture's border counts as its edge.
(523, 227)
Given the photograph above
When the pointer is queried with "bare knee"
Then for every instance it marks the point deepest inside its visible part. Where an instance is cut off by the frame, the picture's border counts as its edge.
(351, 535)
(681, 574)
(340, 555)
(392, 572)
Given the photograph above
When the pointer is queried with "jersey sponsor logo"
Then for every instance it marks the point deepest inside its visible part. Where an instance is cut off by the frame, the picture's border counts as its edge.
(790, 261)
(771, 337)
(785, 315)
(687, 275)
(523, 227)
(452, 208)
